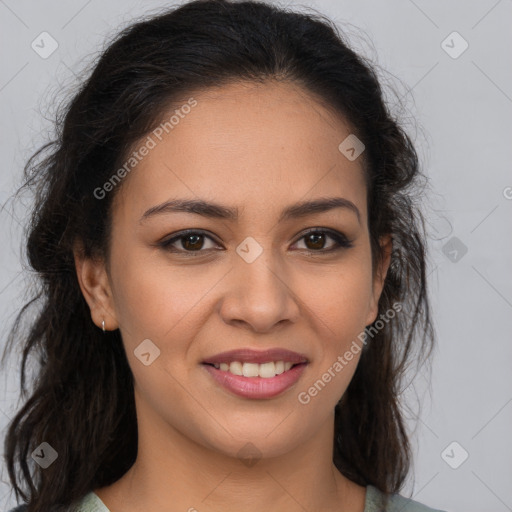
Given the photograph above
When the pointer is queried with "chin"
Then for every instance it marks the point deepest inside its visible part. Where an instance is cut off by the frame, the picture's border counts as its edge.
(258, 442)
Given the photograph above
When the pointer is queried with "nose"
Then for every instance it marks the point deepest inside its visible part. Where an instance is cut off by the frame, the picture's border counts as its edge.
(259, 295)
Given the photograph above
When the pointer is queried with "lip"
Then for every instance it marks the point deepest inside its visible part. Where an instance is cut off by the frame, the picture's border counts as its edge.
(256, 387)
(248, 355)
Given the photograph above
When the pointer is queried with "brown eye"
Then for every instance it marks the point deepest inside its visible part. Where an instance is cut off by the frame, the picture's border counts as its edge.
(187, 242)
(192, 242)
(315, 240)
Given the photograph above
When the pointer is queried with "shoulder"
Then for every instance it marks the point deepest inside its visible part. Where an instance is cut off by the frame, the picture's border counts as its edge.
(89, 503)
(376, 501)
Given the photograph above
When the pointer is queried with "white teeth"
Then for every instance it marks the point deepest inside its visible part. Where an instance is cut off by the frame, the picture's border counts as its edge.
(236, 368)
(250, 369)
(265, 370)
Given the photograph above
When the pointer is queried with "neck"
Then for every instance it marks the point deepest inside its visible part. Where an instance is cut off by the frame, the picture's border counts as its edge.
(172, 472)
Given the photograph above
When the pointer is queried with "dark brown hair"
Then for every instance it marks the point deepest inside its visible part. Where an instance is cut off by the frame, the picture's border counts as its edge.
(81, 396)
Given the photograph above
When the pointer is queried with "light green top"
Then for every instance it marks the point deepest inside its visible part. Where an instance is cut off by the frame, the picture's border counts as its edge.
(374, 503)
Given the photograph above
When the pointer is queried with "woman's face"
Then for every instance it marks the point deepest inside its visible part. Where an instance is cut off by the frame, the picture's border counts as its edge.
(254, 282)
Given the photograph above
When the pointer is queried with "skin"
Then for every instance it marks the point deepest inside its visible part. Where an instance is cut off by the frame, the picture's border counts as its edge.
(258, 147)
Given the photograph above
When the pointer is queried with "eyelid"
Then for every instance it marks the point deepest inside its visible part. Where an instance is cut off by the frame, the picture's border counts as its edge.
(329, 231)
(340, 238)
(342, 241)
(167, 242)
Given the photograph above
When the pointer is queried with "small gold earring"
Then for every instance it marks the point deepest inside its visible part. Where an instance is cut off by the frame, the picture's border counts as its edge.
(103, 325)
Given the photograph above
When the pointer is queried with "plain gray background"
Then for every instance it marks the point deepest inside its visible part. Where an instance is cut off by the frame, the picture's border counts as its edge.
(458, 111)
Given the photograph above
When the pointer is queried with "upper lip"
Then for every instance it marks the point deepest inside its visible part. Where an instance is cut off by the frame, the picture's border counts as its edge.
(248, 355)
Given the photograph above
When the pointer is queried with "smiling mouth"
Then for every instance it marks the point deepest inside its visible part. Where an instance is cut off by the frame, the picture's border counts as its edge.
(266, 370)
(256, 381)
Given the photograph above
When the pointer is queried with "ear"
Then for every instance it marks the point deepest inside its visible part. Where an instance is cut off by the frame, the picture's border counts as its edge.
(93, 280)
(386, 243)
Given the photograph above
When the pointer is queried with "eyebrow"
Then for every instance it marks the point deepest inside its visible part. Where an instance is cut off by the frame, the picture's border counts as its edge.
(217, 211)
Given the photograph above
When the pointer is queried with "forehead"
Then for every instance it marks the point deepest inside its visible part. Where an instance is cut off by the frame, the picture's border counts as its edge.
(255, 145)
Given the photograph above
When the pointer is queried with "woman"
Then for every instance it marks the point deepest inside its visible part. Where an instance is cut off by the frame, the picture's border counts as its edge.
(232, 276)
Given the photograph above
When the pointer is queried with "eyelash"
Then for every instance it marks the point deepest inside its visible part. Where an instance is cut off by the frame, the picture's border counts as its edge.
(341, 241)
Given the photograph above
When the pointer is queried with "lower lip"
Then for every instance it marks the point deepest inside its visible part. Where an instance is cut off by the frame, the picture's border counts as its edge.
(256, 387)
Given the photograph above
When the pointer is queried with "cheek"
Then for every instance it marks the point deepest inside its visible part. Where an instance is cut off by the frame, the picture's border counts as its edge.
(340, 297)
(158, 301)
(339, 307)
